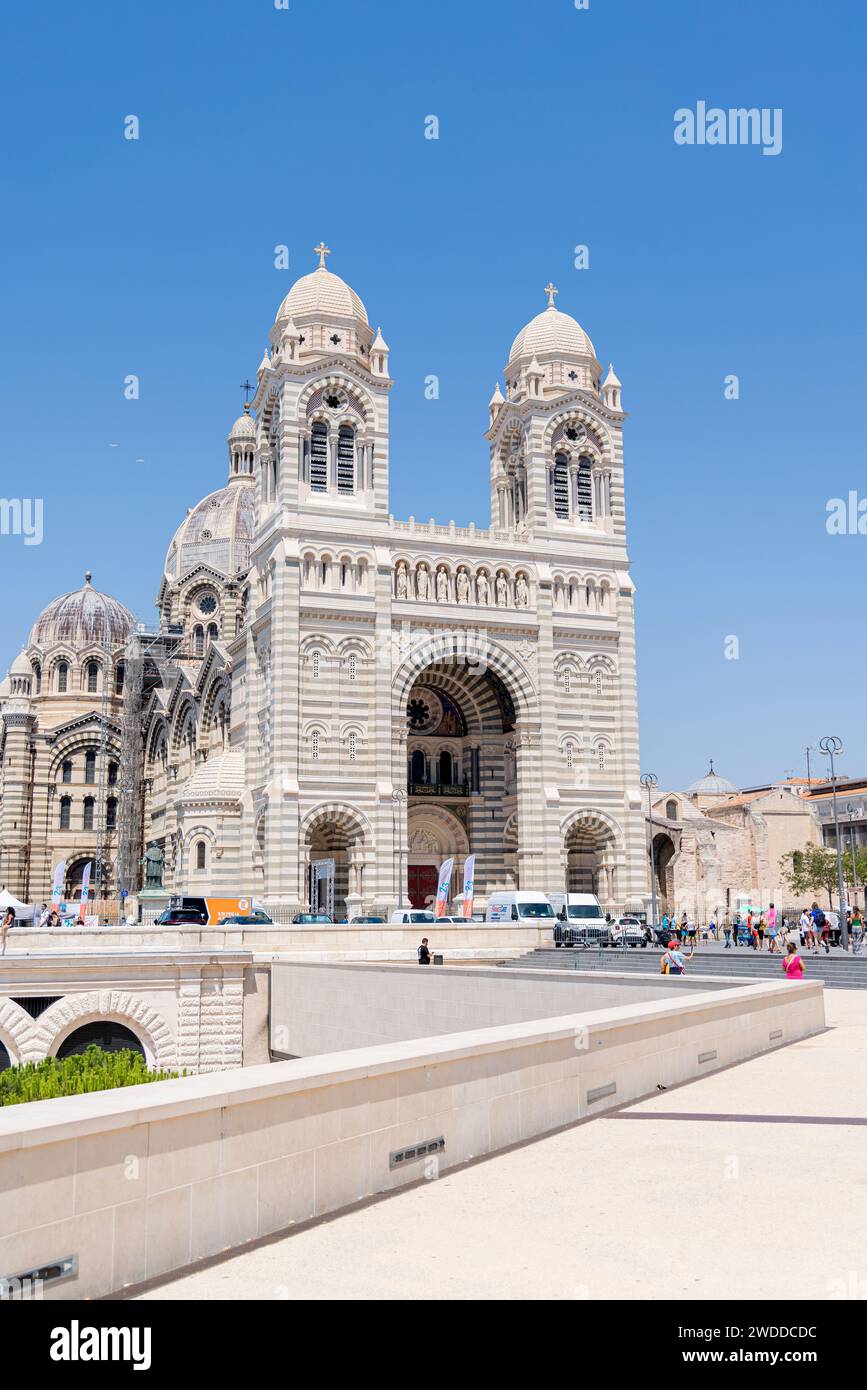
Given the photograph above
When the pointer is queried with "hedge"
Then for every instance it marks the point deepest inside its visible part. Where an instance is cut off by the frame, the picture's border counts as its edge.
(91, 1070)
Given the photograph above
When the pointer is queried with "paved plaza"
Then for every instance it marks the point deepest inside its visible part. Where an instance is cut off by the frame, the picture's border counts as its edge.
(668, 1199)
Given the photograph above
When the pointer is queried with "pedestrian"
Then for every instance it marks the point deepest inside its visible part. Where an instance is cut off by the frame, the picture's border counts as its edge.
(673, 961)
(772, 933)
(806, 926)
(41, 915)
(691, 933)
(760, 930)
(8, 921)
(424, 957)
(793, 966)
(727, 933)
(857, 929)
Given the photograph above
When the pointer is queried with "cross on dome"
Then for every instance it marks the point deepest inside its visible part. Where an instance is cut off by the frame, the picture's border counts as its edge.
(550, 291)
(321, 251)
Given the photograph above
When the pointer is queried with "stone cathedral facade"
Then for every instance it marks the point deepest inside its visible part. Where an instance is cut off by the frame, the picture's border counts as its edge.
(373, 696)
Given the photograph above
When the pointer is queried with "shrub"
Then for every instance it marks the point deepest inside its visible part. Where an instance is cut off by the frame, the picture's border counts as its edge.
(91, 1070)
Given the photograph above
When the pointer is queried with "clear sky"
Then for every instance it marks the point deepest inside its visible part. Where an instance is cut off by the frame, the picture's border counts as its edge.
(262, 127)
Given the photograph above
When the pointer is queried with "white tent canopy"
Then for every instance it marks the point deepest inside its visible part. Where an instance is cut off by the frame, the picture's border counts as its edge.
(7, 900)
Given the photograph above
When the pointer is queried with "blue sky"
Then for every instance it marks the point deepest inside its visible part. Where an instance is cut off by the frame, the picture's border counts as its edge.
(261, 126)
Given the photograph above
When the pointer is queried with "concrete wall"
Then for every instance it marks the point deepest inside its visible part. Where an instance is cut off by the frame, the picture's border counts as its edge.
(137, 1183)
(319, 1008)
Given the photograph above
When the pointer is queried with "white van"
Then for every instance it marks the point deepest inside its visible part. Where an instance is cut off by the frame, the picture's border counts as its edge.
(580, 919)
(517, 904)
(406, 916)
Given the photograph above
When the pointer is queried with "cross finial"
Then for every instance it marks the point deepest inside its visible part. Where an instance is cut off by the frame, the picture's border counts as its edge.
(321, 251)
(550, 291)
(246, 387)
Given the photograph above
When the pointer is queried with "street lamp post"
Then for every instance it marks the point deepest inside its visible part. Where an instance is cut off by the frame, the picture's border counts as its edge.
(831, 746)
(853, 811)
(398, 797)
(649, 781)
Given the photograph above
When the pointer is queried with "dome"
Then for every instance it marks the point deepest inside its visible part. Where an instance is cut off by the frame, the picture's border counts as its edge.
(80, 619)
(21, 666)
(219, 778)
(552, 334)
(218, 532)
(243, 428)
(324, 295)
(712, 785)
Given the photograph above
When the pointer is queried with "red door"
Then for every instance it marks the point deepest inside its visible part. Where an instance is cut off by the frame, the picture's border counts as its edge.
(421, 884)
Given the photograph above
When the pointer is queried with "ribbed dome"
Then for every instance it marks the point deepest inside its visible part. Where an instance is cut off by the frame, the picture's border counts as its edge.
(218, 532)
(80, 618)
(323, 294)
(243, 428)
(552, 332)
(712, 785)
(219, 778)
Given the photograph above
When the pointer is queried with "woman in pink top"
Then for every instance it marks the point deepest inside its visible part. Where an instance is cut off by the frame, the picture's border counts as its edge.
(793, 966)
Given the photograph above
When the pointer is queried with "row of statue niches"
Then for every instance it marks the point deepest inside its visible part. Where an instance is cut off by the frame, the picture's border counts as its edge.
(468, 588)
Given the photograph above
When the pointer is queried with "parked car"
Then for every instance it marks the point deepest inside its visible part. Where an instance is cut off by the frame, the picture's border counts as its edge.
(308, 918)
(627, 931)
(405, 916)
(182, 917)
(359, 921)
(256, 919)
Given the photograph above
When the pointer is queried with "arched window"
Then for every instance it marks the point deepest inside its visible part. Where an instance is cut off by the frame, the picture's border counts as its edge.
(314, 745)
(353, 666)
(66, 771)
(119, 672)
(353, 747)
(87, 821)
(598, 682)
(213, 634)
(92, 672)
(199, 635)
(112, 774)
(567, 682)
(345, 459)
(237, 624)
(65, 812)
(417, 767)
(561, 486)
(445, 776)
(37, 677)
(584, 499)
(570, 754)
(111, 813)
(315, 663)
(90, 765)
(319, 457)
(62, 676)
(671, 810)
(200, 854)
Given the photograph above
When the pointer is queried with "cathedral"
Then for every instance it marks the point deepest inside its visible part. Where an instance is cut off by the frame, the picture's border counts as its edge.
(334, 701)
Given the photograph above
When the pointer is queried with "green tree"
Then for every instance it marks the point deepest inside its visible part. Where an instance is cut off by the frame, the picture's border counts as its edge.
(813, 870)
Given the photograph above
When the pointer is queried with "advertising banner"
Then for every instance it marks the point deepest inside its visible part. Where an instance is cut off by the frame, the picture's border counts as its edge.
(443, 887)
(469, 884)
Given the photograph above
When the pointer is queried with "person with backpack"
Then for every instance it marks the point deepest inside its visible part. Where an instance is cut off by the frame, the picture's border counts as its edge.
(821, 930)
(424, 955)
(673, 961)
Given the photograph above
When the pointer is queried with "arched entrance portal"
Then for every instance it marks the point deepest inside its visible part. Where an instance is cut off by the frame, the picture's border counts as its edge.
(455, 722)
(663, 852)
(103, 1033)
(334, 861)
(591, 850)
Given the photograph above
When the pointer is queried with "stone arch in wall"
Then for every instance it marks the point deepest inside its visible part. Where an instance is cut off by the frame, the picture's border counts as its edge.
(334, 830)
(593, 854)
(53, 1027)
(433, 834)
(16, 1031)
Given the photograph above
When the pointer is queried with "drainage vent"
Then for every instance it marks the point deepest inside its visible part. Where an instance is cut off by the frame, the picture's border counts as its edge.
(777, 1033)
(599, 1092)
(399, 1157)
(707, 1057)
(10, 1284)
(37, 1005)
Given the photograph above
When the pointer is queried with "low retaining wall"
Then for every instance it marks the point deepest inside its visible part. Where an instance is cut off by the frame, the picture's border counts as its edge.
(325, 1007)
(477, 940)
(140, 1182)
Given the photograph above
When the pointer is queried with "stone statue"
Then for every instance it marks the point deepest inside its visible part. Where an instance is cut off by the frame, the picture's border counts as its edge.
(502, 591)
(463, 586)
(522, 592)
(153, 867)
(401, 580)
(482, 588)
(442, 586)
(422, 581)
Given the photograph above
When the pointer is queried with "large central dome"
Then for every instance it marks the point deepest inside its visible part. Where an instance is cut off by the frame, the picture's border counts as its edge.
(552, 332)
(218, 533)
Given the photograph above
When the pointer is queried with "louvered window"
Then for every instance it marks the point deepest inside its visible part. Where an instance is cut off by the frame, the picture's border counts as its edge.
(319, 458)
(561, 486)
(88, 813)
(346, 459)
(65, 812)
(585, 490)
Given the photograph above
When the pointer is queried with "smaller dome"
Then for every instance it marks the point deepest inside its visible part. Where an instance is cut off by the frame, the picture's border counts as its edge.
(218, 533)
(5, 688)
(21, 666)
(219, 778)
(551, 333)
(324, 294)
(80, 619)
(712, 785)
(243, 428)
